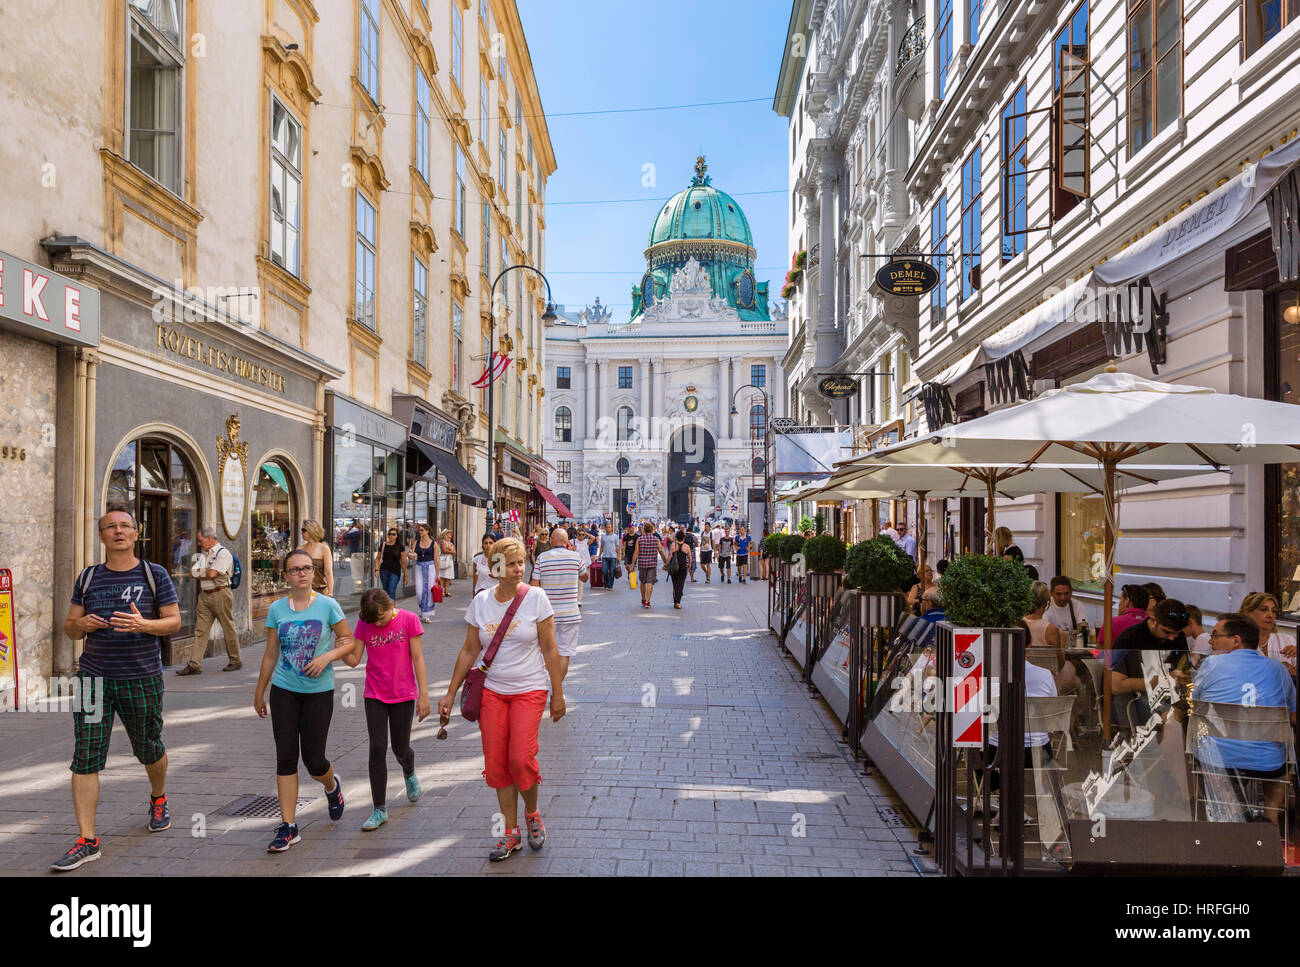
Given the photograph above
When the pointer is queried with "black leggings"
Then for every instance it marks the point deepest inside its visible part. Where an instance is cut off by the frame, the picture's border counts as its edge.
(679, 583)
(301, 719)
(383, 720)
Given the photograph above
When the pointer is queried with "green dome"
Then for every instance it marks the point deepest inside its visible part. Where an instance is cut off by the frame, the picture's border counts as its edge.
(701, 211)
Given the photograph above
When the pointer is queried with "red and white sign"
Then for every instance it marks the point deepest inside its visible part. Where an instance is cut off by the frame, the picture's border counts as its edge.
(967, 678)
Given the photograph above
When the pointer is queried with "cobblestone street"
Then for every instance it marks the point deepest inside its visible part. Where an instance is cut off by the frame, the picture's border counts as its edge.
(690, 748)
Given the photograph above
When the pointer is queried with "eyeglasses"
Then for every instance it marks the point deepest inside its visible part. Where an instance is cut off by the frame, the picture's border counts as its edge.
(299, 570)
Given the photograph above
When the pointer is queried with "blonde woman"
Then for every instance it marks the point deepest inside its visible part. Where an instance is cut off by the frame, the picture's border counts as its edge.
(1002, 539)
(446, 561)
(322, 558)
(514, 693)
(1261, 608)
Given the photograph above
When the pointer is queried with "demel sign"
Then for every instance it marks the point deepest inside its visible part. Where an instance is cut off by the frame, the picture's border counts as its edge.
(907, 277)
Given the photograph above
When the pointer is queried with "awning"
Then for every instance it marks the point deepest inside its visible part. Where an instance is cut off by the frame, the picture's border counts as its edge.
(554, 501)
(471, 491)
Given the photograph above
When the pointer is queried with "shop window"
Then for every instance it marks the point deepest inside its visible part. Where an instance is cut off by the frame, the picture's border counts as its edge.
(1262, 20)
(274, 529)
(369, 484)
(1081, 537)
(368, 53)
(286, 188)
(155, 72)
(1070, 114)
(155, 481)
(970, 225)
(563, 425)
(1015, 180)
(1282, 377)
(1155, 68)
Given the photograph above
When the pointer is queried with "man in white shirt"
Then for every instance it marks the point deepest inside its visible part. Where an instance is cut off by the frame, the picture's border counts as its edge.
(888, 531)
(1061, 611)
(906, 541)
(560, 572)
(212, 568)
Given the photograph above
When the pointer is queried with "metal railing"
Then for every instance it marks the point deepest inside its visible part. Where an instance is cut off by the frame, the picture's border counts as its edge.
(872, 620)
(818, 630)
(912, 44)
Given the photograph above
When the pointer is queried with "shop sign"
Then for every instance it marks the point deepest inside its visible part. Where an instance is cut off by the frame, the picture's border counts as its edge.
(8, 644)
(43, 304)
(188, 347)
(838, 387)
(967, 677)
(352, 420)
(518, 466)
(441, 433)
(232, 474)
(907, 277)
(782, 424)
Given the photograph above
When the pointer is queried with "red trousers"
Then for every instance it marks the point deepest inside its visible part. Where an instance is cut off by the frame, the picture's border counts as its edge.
(508, 725)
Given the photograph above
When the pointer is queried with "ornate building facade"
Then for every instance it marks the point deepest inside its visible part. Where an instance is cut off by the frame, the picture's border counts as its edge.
(658, 390)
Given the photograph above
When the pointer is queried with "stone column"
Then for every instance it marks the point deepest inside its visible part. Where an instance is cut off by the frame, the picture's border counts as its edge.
(591, 399)
(724, 398)
(827, 338)
(661, 380)
(645, 395)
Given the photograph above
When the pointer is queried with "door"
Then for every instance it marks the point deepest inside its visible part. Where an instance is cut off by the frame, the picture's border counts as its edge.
(621, 497)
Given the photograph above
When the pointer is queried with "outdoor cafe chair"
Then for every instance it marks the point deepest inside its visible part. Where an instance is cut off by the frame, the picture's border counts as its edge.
(1220, 796)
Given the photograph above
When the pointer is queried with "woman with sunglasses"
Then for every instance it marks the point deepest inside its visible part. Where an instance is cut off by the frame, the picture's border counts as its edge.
(322, 558)
(301, 633)
(425, 555)
(390, 564)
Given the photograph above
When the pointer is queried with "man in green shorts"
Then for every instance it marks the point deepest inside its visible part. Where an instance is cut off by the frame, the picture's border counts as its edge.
(121, 667)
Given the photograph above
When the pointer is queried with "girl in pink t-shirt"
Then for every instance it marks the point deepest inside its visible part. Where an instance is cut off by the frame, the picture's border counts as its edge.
(396, 691)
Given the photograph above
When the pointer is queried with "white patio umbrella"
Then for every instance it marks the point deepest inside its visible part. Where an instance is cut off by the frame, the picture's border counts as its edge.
(1112, 419)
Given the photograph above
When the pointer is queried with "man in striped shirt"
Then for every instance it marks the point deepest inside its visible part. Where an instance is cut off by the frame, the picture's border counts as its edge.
(560, 572)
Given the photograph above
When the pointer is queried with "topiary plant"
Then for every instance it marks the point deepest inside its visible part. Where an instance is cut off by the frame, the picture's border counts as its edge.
(878, 565)
(824, 553)
(819, 523)
(791, 545)
(772, 544)
(805, 523)
(979, 591)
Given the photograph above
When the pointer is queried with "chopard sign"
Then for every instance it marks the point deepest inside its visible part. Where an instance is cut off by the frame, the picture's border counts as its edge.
(837, 387)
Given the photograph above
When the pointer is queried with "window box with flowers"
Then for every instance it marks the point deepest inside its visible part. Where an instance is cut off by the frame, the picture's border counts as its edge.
(795, 275)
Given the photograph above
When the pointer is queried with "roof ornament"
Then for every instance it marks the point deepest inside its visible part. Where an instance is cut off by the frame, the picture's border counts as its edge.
(701, 172)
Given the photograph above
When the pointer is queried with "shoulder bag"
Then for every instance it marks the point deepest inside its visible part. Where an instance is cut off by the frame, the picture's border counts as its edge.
(471, 694)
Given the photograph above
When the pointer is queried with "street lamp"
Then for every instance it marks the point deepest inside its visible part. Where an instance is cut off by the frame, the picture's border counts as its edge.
(767, 445)
(549, 318)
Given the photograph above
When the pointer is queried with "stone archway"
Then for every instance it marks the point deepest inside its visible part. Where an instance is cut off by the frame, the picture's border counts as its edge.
(692, 465)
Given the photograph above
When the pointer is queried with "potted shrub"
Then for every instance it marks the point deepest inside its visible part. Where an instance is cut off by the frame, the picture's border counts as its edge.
(878, 566)
(824, 554)
(791, 544)
(806, 523)
(979, 591)
(772, 545)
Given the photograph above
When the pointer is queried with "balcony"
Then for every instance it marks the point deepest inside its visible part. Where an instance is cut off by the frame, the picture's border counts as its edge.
(911, 47)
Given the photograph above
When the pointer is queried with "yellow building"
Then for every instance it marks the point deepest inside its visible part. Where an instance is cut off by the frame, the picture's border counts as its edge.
(285, 217)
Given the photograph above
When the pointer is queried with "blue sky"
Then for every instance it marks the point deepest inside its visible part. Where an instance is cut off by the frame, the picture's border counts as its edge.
(617, 55)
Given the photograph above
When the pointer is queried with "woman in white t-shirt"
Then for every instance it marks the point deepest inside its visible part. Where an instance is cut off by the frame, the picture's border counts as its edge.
(514, 694)
(483, 577)
(1261, 608)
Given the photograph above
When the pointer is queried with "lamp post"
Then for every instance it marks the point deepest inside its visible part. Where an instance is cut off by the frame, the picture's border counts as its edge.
(549, 319)
(622, 466)
(767, 450)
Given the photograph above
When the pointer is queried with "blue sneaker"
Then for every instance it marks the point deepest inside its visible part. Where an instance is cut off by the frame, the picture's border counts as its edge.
(160, 816)
(413, 787)
(286, 834)
(335, 799)
(377, 819)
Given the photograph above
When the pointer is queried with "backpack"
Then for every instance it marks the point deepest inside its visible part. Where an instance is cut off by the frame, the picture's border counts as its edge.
(87, 578)
(236, 571)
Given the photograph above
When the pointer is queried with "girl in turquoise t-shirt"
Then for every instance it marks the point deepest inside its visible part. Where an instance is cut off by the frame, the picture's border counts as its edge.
(300, 632)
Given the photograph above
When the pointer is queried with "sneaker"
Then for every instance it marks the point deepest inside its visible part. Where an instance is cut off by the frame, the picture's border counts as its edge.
(286, 834)
(335, 799)
(506, 845)
(413, 787)
(160, 817)
(377, 819)
(536, 831)
(83, 851)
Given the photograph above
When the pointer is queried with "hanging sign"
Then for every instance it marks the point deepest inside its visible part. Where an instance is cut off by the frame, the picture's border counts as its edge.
(907, 277)
(967, 698)
(837, 387)
(8, 644)
(782, 424)
(232, 473)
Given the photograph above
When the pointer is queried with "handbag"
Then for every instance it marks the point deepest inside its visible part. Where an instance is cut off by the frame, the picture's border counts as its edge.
(471, 694)
(618, 570)
(436, 591)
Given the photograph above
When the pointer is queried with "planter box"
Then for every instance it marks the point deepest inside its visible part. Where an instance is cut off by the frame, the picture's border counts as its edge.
(872, 618)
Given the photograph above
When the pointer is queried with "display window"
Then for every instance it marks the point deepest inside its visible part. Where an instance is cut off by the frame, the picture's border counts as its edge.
(1282, 501)
(1081, 539)
(274, 528)
(368, 491)
(156, 481)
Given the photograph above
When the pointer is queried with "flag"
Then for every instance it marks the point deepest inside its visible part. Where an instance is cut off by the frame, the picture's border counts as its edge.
(490, 375)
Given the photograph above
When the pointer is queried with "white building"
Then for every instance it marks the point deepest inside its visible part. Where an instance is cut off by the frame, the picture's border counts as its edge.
(658, 390)
(1035, 144)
